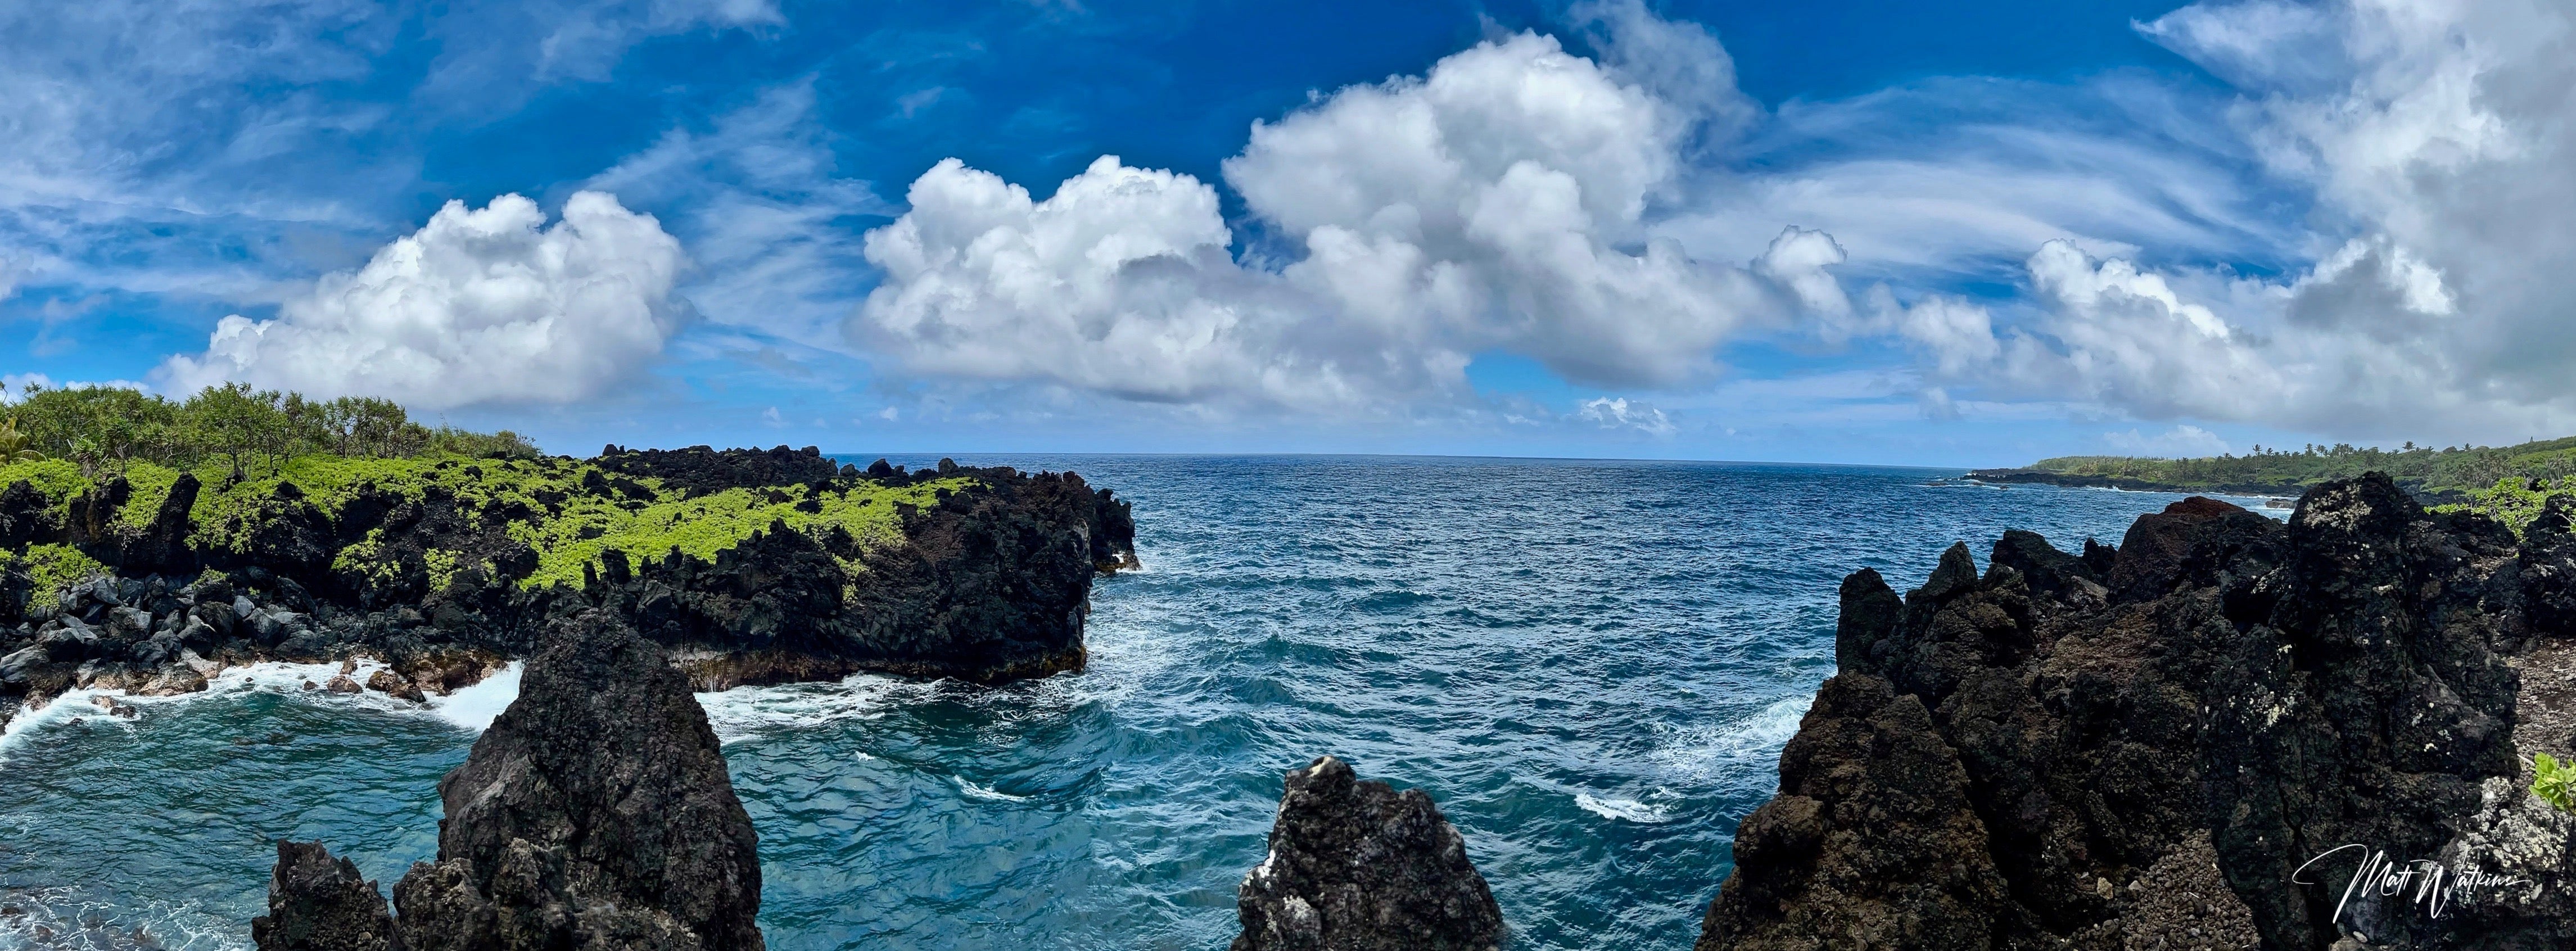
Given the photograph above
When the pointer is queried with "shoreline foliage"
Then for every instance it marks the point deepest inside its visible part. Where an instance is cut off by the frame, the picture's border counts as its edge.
(107, 430)
(2509, 483)
(261, 455)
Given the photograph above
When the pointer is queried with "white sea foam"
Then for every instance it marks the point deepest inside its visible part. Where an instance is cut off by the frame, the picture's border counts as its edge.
(72, 705)
(1714, 750)
(745, 712)
(973, 791)
(471, 708)
(79, 917)
(1625, 810)
(474, 707)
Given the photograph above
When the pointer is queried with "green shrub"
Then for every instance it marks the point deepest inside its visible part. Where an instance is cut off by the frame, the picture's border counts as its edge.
(2554, 782)
(233, 429)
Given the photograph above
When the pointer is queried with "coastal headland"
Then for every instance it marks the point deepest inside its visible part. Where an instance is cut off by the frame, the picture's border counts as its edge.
(747, 566)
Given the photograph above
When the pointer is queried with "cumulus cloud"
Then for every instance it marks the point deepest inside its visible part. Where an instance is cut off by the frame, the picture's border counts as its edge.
(1499, 202)
(478, 306)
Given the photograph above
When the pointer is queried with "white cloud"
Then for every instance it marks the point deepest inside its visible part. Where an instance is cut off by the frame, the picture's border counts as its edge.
(759, 201)
(2180, 442)
(588, 38)
(478, 306)
(1500, 202)
(2435, 137)
(2422, 295)
(1618, 413)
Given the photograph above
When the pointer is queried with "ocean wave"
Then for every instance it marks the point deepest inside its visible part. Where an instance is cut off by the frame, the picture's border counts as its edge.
(745, 712)
(1625, 810)
(1718, 750)
(471, 708)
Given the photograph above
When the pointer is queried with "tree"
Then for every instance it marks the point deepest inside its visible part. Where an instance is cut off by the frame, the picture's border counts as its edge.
(14, 444)
(235, 422)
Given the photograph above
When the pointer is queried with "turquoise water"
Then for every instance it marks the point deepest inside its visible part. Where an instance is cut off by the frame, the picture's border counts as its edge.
(1590, 665)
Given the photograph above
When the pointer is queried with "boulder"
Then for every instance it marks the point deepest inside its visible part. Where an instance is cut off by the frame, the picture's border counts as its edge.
(320, 903)
(1358, 866)
(596, 807)
(395, 685)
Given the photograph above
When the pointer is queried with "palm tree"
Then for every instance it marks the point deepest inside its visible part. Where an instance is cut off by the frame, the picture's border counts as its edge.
(13, 444)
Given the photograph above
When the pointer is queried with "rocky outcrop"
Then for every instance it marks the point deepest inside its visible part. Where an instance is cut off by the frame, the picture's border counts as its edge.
(2044, 755)
(992, 584)
(989, 580)
(595, 813)
(147, 636)
(701, 470)
(320, 903)
(1357, 866)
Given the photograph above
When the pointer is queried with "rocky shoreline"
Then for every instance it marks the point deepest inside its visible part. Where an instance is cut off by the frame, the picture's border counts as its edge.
(2280, 494)
(436, 569)
(2197, 739)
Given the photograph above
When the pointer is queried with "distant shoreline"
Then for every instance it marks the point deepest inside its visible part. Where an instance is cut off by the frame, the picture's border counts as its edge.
(2040, 477)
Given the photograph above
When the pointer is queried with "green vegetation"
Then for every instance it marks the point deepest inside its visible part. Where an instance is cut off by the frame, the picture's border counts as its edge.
(53, 567)
(569, 512)
(2455, 470)
(110, 429)
(2554, 782)
(708, 524)
(2510, 483)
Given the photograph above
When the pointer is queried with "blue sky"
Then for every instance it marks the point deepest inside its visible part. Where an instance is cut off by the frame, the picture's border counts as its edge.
(1846, 232)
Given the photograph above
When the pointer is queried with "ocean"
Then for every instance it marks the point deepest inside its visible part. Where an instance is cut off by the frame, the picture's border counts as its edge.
(1590, 665)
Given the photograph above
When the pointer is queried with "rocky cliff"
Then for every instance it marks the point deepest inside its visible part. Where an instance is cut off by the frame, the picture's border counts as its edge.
(595, 813)
(752, 566)
(2227, 732)
(1357, 866)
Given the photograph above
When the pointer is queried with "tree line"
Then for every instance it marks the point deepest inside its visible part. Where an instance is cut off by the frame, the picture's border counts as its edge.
(106, 428)
(2454, 469)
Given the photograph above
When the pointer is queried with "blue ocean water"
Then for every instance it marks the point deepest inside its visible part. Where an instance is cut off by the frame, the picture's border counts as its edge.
(1591, 666)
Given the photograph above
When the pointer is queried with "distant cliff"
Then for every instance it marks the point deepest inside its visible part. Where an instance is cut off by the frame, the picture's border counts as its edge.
(750, 565)
(2204, 738)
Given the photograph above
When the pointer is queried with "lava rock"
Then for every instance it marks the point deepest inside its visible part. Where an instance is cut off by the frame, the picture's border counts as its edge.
(320, 903)
(395, 685)
(596, 811)
(2017, 760)
(1357, 866)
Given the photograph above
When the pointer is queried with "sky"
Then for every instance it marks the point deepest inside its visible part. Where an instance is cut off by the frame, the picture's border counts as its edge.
(1852, 232)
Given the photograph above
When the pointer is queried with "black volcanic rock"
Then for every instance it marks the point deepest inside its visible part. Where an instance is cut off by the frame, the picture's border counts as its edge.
(701, 470)
(1357, 866)
(992, 584)
(162, 546)
(320, 903)
(25, 516)
(2230, 699)
(1871, 839)
(595, 812)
